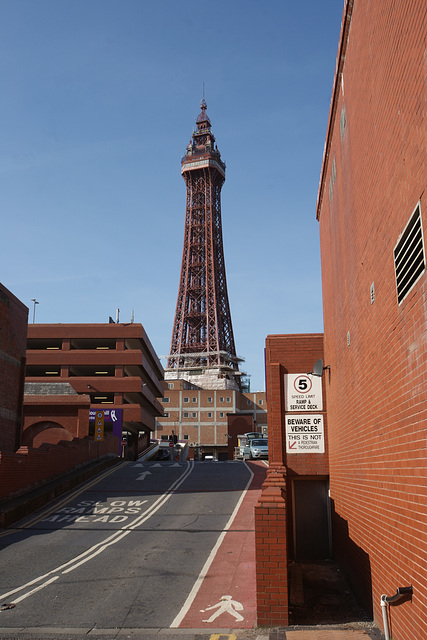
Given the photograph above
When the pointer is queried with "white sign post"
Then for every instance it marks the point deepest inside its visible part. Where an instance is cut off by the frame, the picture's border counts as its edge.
(304, 433)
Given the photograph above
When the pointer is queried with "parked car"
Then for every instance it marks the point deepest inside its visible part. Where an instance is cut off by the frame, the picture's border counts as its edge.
(258, 448)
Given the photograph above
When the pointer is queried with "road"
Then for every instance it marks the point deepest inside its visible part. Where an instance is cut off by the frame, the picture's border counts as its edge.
(134, 549)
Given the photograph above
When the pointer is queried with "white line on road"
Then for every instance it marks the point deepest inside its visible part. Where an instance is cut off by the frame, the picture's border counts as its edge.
(98, 548)
(30, 593)
(189, 601)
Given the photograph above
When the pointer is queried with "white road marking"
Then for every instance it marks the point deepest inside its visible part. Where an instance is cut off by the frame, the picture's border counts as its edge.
(98, 548)
(67, 500)
(226, 604)
(144, 475)
(189, 601)
(30, 593)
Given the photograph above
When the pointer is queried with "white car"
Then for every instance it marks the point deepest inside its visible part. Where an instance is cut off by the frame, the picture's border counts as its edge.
(258, 448)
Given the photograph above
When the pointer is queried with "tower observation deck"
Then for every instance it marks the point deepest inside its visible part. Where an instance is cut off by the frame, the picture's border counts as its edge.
(202, 347)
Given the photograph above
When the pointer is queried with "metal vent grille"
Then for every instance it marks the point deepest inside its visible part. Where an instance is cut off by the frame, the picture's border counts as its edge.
(409, 259)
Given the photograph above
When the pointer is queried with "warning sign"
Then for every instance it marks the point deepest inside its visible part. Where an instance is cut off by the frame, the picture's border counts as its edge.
(304, 433)
(303, 392)
(99, 426)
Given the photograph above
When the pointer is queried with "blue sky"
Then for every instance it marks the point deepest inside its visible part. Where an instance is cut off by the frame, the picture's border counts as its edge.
(99, 100)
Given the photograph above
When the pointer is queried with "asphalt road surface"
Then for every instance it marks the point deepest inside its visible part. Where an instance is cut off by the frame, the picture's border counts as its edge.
(123, 551)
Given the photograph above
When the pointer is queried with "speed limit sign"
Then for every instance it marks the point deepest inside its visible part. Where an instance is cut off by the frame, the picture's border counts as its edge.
(303, 384)
(303, 392)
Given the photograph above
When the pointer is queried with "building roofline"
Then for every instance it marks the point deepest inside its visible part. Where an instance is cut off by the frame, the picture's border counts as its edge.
(339, 66)
(8, 294)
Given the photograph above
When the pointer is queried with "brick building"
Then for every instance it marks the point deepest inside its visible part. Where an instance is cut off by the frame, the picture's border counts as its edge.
(13, 337)
(112, 367)
(292, 517)
(203, 414)
(372, 207)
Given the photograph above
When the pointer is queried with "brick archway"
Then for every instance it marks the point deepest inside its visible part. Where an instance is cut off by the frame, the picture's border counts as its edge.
(45, 431)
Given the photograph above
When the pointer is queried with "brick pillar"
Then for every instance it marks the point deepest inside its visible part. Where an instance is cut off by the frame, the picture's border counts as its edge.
(271, 551)
(270, 517)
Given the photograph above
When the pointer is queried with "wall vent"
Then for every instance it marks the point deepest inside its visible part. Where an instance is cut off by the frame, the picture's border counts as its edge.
(409, 259)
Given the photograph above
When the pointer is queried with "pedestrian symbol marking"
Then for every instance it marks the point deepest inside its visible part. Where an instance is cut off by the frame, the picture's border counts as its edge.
(225, 605)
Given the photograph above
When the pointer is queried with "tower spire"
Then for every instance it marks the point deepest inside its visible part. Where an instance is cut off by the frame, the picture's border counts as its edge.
(202, 346)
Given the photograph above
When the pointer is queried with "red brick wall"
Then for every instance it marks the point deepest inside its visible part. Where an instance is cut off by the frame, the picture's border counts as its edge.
(237, 426)
(374, 174)
(49, 419)
(273, 513)
(13, 339)
(294, 353)
(28, 468)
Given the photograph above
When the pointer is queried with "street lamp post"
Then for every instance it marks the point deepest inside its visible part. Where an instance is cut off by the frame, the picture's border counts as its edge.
(34, 309)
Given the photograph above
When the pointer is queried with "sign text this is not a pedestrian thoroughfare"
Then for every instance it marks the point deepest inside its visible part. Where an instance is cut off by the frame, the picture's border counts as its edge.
(304, 433)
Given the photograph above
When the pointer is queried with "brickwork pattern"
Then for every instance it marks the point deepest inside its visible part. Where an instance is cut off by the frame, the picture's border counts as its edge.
(271, 551)
(29, 468)
(13, 336)
(202, 414)
(295, 353)
(273, 514)
(373, 177)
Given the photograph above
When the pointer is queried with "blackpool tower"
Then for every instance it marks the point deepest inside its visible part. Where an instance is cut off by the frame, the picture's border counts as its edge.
(202, 347)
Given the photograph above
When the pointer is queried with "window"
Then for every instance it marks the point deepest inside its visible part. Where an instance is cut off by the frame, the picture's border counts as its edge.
(194, 399)
(186, 399)
(164, 400)
(209, 414)
(248, 402)
(228, 399)
(194, 415)
(185, 414)
(170, 385)
(165, 415)
(221, 414)
(409, 260)
(209, 399)
(261, 402)
(221, 399)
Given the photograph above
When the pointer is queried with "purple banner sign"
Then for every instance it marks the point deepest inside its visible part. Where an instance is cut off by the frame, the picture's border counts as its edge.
(110, 415)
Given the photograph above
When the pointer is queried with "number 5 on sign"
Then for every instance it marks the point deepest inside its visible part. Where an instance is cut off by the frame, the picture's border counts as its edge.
(303, 392)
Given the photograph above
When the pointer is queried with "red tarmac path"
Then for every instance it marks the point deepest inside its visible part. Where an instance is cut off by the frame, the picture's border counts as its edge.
(232, 571)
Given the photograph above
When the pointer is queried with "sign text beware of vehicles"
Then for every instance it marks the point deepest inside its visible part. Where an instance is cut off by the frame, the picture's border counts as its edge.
(304, 433)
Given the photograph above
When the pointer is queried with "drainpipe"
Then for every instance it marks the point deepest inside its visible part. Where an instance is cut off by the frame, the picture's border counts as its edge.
(402, 593)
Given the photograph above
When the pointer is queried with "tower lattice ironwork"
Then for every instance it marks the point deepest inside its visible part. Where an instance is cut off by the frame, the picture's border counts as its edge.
(202, 337)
